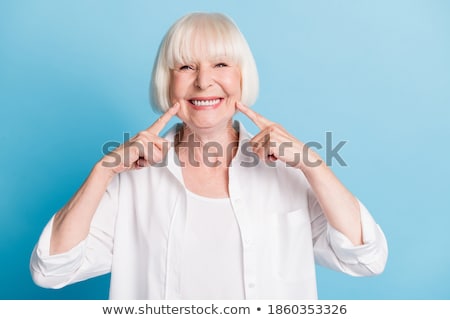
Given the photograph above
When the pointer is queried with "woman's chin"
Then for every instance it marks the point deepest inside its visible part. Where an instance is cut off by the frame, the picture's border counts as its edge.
(208, 125)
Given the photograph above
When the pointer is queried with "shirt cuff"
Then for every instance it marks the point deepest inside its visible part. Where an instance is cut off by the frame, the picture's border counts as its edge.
(45, 265)
(367, 253)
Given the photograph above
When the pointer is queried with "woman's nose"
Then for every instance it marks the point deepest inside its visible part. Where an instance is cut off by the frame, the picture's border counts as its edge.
(204, 78)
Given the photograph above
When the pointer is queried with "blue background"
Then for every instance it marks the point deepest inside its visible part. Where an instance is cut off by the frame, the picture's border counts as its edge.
(74, 75)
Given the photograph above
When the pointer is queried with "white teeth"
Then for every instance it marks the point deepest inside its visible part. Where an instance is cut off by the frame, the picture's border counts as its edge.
(202, 103)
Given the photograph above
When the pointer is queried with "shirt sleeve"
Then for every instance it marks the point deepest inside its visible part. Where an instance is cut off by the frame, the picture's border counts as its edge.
(334, 250)
(89, 258)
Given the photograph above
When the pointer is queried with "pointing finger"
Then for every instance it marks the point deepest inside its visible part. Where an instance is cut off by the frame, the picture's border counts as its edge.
(258, 119)
(162, 121)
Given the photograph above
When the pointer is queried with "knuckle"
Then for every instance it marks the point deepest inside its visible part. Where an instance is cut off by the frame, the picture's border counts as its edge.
(274, 127)
(142, 135)
(136, 142)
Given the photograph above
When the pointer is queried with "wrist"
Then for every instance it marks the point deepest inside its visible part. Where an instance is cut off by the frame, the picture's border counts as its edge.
(310, 160)
(103, 172)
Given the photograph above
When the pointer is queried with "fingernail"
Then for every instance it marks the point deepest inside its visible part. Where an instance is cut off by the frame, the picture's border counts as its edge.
(175, 107)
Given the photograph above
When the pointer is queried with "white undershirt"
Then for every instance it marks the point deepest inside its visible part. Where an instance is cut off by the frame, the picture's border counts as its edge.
(212, 255)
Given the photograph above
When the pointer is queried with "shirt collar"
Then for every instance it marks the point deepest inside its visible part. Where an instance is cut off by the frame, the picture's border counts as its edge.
(172, 159)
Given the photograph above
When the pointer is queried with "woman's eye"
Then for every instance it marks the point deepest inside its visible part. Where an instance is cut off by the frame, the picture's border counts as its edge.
(186, 67)
(221, 65)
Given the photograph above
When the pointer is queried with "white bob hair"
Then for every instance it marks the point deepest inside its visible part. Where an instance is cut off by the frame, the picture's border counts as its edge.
(193, 36)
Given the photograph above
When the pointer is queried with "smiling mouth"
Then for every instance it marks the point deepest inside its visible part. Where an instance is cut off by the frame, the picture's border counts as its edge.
(205, 103)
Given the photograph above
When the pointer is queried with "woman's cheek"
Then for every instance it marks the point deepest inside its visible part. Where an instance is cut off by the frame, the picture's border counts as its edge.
(182, 113)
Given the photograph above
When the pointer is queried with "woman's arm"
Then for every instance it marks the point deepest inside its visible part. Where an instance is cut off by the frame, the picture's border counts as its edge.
(71, 224)
(340, 207)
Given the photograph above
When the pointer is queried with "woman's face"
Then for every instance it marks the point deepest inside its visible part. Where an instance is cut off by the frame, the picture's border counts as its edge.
(207, 91)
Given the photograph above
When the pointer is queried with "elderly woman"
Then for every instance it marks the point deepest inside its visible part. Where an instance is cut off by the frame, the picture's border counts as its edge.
(208, 211)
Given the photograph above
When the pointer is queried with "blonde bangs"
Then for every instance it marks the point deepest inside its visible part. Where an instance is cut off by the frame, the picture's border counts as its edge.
(207, 37)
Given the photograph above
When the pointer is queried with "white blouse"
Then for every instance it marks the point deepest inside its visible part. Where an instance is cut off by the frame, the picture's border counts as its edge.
(139, 228)
(211, 265)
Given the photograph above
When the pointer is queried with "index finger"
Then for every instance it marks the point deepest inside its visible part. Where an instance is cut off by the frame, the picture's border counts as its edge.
(162, 121)
(258, 119)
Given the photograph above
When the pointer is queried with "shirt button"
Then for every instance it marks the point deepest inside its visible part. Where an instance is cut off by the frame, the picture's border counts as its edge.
(251, 285)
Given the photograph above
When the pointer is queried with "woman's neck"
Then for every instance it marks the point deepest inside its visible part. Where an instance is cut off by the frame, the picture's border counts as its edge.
(219, 144)
(224, 135)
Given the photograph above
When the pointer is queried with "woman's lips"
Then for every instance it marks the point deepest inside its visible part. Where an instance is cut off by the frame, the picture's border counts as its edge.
(205, 103)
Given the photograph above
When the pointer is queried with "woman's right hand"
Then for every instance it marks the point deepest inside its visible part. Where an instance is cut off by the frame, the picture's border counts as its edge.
(144, 149)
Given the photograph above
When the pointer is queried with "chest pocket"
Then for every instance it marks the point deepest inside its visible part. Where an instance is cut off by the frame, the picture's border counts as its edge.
(290, 243)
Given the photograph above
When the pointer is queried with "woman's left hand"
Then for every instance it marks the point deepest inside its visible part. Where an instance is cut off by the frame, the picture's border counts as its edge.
(340, 207)
(273, 142)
